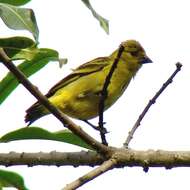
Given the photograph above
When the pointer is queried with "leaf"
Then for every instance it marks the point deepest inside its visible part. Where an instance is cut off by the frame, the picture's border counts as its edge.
(40, 58)
(104, 23)
(19, 19)
(16, 47)
(15, 3)
(11, 179)
(38, 133)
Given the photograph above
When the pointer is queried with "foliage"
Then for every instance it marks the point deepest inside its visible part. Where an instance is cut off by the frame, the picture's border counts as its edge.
(11, 179)
(29, 133)
(33, 59)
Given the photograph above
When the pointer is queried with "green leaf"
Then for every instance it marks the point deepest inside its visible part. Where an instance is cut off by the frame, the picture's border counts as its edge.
(15, 2)
(104, 23)
(39, 58)
(16, 47)
(11, 179)
(38, 133)
(19, 19)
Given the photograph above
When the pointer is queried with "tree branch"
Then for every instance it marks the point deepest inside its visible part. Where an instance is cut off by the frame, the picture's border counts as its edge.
(104, 93)
(107, 165)
(53, 158)
(44, 101)
(124, 157)
(150, 103)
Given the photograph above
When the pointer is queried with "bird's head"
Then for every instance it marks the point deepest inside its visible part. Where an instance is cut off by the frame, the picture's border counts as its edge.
(135, 51)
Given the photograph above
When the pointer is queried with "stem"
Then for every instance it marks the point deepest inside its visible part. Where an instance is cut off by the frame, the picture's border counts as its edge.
(150, 103)
(104, 94)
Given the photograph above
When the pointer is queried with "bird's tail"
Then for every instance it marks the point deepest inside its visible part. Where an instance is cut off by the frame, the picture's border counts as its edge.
(35, 112)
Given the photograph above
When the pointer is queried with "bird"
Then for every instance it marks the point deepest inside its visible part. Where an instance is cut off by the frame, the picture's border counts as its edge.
(78, 94)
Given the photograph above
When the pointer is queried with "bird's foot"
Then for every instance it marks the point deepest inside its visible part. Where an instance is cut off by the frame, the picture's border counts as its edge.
(102, 130)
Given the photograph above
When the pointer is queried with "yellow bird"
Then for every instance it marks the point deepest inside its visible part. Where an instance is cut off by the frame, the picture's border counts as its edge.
(78, 94)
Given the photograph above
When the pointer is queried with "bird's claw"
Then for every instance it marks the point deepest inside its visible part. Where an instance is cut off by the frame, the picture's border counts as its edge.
(102, 130)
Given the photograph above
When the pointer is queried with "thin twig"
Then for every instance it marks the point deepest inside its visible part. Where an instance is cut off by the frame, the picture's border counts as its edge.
(150, 103)
(107, 165)
(104, 93)
(44, 101)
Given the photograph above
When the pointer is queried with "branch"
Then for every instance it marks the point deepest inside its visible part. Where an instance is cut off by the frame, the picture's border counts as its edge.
(107, 165)
(104, 93)
(120, 158)
(150, 103)
(124, 157)
(44, 101)
(75, 159)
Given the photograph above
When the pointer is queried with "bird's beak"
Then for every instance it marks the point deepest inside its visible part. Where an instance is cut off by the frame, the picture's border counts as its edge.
(145, 60)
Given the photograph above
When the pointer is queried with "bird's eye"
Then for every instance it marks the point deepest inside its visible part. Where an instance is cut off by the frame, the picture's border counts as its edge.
(134, 53)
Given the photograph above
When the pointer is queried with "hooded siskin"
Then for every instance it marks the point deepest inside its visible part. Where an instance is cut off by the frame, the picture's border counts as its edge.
(78, 94)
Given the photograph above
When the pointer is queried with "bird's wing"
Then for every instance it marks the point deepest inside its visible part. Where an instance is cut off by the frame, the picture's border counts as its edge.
(85, 69)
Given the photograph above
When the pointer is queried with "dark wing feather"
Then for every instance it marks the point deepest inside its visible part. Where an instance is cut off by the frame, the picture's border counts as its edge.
(85, 69)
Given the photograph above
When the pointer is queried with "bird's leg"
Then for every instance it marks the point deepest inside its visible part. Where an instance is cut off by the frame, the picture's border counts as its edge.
(104, 130)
